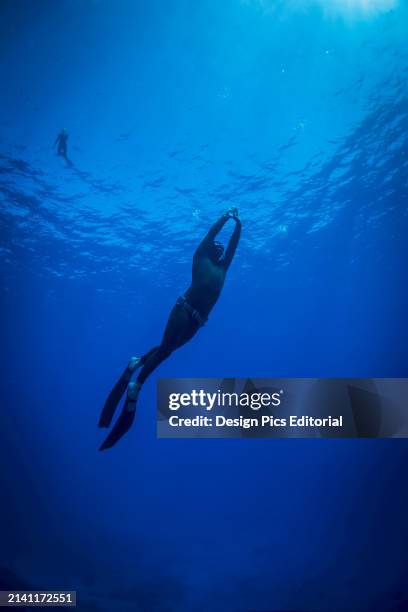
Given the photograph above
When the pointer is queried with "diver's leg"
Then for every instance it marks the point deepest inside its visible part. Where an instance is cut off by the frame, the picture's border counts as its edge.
(147, 355)
(118, 390)
(127, 416)
(179, 329)
(152, 363)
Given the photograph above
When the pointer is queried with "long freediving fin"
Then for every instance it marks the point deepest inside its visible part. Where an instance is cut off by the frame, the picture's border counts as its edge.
(117, 392)
(126, 418)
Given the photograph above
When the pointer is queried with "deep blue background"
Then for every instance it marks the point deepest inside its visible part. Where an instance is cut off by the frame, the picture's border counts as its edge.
(177, 110)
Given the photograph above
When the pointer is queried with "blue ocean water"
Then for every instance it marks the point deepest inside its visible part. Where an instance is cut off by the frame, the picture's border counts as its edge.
(296, 112)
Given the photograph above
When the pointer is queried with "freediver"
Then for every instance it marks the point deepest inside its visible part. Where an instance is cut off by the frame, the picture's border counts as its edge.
(62, 142)
(190, 312)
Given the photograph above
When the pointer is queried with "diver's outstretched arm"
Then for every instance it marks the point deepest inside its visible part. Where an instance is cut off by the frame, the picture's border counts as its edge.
(233, 243)
(214, 230)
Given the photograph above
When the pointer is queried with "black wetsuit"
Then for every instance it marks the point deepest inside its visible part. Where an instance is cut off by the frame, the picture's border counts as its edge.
(191, 311)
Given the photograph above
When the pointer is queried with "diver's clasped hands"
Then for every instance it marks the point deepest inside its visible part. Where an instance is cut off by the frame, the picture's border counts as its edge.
(232, 213)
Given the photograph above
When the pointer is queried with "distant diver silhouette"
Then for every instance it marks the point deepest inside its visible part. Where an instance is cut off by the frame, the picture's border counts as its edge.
(190, 312)
(62, 142)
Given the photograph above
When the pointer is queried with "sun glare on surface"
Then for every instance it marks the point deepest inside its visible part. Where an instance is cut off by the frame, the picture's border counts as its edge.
(342, 8)
(357, 7)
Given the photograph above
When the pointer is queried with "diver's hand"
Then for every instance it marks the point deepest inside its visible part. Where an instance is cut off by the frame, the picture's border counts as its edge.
(232, 212)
